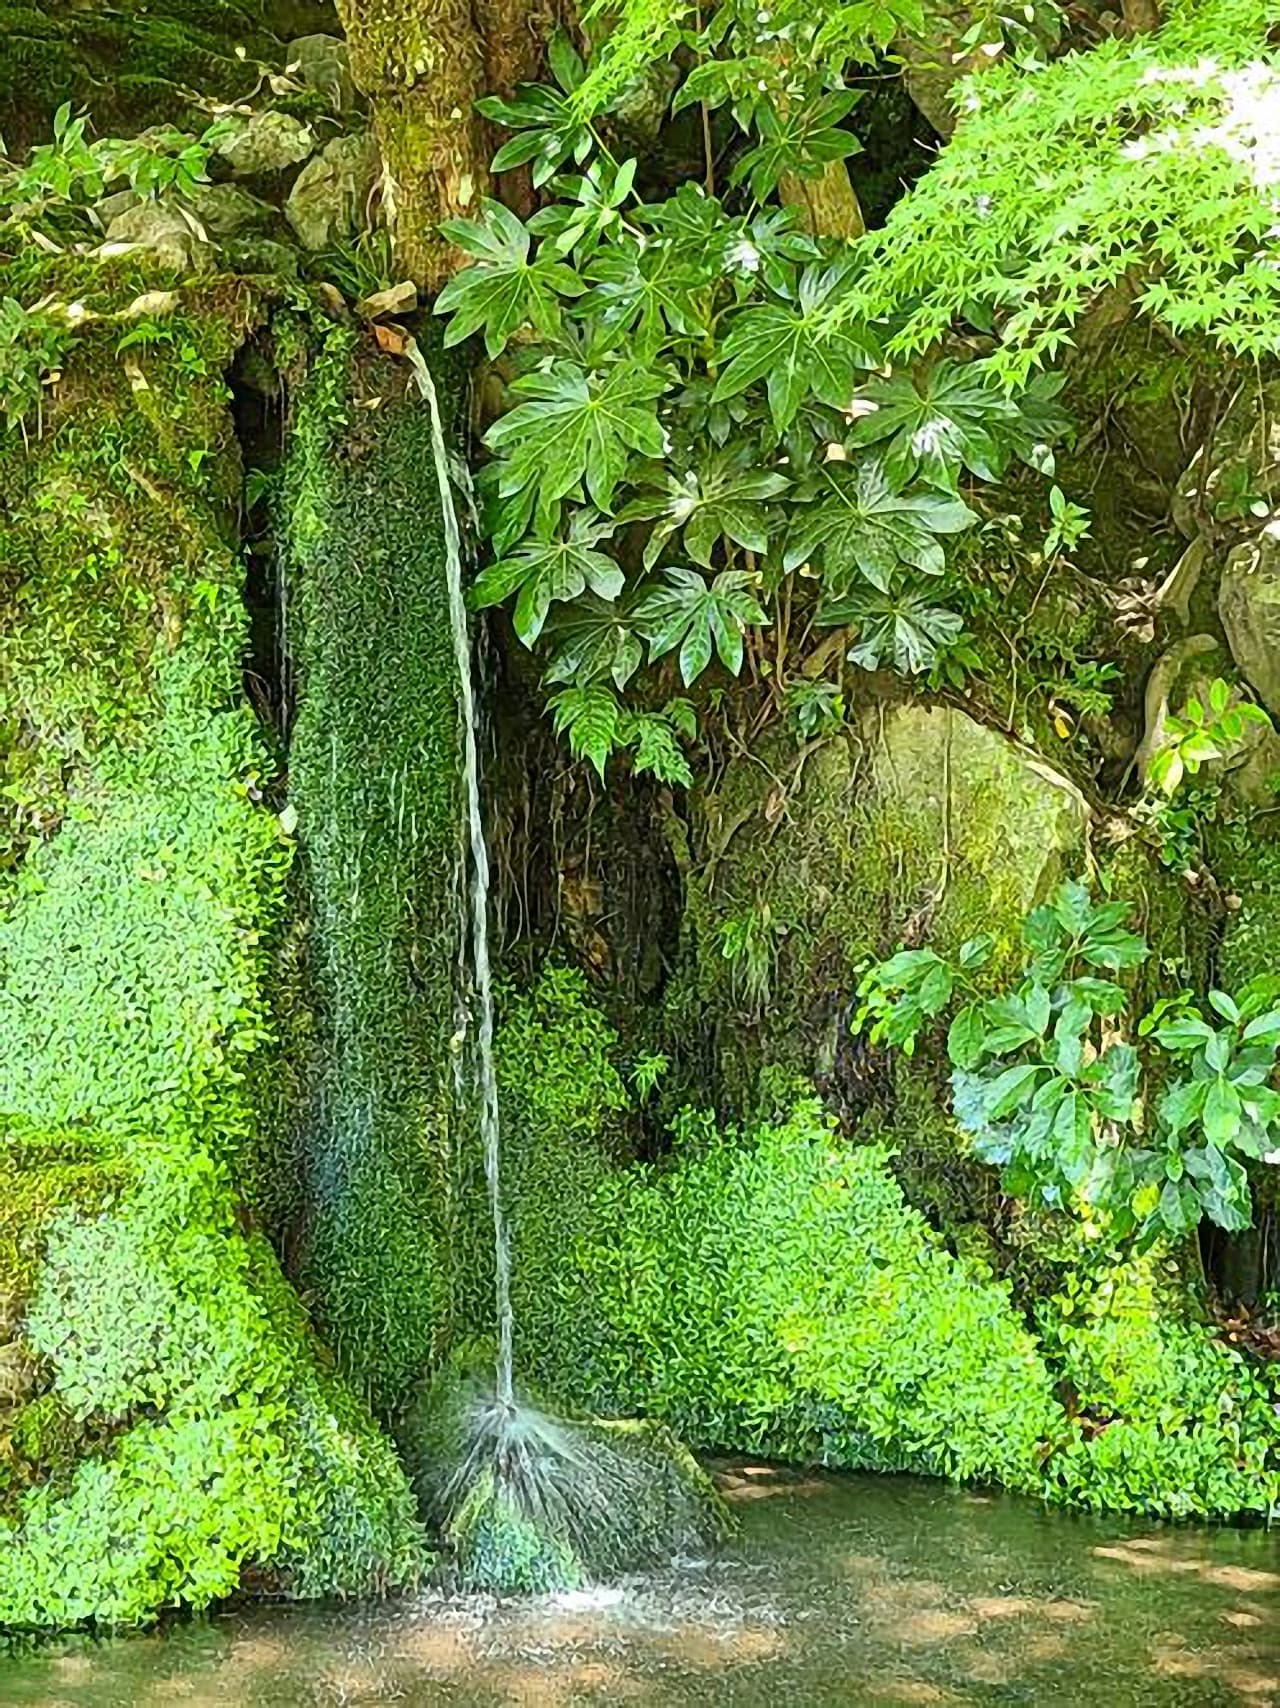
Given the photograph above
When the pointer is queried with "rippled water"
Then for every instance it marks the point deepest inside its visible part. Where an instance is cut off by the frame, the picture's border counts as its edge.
(879, 1592)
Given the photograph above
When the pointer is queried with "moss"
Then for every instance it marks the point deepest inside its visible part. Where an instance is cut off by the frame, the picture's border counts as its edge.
(133, 932)
(130, 67)
(374, 774)
(916, 825)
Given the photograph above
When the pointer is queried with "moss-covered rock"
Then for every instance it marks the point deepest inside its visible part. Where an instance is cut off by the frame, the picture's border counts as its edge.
(373, 779)
(185, 1428)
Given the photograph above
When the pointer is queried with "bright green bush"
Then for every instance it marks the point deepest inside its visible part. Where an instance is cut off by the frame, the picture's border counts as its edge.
(1173, 1420)
(775, 1293)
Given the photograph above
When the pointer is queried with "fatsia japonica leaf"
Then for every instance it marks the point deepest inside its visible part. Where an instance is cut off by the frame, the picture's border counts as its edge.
(698, 616)
(644, 294)
(860, 525)
(804, 141)
(796, 349)
(726, 498)
(901, 629)
(547, 570)
(503, 289)
(946, 420)
(593, 639)
(549, 128)
(575, 430)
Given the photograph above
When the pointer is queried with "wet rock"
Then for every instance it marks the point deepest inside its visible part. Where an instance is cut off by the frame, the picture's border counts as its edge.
(261, 255)
(112, 206)
(265, 143)
(163, 235)
(225, 210)
(323, 64)
(329, 202)
(1249, 606)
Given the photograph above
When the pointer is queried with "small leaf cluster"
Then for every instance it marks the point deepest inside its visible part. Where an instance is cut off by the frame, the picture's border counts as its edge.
(1145, 1133)
(1200, 733)
(691, 441)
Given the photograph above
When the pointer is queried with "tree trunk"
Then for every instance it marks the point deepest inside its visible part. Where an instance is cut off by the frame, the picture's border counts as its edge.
(422, 67)
(829, 205)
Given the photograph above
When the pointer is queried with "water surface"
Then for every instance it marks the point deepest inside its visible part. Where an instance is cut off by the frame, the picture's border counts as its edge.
(876, 1592)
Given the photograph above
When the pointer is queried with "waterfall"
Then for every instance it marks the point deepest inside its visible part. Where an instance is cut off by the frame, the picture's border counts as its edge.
(478, 891)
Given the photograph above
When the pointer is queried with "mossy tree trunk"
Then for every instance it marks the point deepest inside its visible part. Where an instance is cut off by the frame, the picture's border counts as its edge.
(424, 64)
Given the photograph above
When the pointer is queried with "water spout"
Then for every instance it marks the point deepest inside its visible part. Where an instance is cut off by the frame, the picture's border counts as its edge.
(490, 1126)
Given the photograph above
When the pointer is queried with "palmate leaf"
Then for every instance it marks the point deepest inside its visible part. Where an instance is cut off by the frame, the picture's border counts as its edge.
(593, 639)
(547, 570)
(503, 290)
(859, 525)
(698, 616)
(804, 142)
(947, 420)
(902, 629)
(796, 350)
(645, 294)
(575, 430)
(726, 498)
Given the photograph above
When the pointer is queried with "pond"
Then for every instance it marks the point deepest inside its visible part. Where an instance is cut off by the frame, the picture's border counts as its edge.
(879, 1592)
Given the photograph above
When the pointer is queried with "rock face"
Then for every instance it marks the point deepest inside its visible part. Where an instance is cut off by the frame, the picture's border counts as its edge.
(1249, 606)
(267, 142)
(166, 237)
(1235, 479)
(329, 200)
(323, 64)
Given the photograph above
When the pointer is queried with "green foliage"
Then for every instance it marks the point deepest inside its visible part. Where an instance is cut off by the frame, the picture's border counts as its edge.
(73, 170)
(33, 344)
(1202, 733)
(689, 446)
(185, 1429)
(1173, 1421)
(773, 1293)
(1141, 159)
(1047, 1086)
(373, 781)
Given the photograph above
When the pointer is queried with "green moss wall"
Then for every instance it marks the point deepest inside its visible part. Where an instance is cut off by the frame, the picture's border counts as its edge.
(171, 1428)
(374, 773)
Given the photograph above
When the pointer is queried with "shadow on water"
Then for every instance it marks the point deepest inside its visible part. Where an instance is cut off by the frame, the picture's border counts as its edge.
(885, 1593)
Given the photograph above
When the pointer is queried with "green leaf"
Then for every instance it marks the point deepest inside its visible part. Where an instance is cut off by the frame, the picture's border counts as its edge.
(966, 1036)
(1010, 1089)
(575, 430)
(935, 426)
(803, 142)
(696, 616)
(799, 352)
(593, 639)
(860, 526)
(901, 629)
(725, 498)
(503, 290)
(1221, 1112)
(550, 570)
(657, 749)
(590, 718)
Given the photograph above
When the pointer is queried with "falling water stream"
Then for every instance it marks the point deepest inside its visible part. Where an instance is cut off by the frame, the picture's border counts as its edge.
(478, 893)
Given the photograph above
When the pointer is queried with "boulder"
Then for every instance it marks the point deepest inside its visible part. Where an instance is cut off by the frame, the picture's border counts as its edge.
(225, 210)
(329, 200)
(1249, 606)
(163, 234)
(265, 143)
(323, 64)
